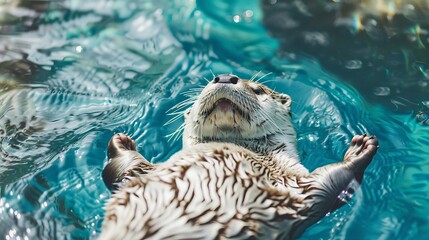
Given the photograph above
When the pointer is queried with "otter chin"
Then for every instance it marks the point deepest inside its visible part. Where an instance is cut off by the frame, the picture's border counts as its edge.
(225, 106)
(224, 114)
(237, 176)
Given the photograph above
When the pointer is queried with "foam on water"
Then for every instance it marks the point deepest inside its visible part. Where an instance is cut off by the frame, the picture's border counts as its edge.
(83, 70)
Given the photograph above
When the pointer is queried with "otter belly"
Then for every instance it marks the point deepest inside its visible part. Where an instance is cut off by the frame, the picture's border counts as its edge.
(209, 191)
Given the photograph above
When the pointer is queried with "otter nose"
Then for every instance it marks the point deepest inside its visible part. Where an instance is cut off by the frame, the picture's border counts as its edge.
(226, 79)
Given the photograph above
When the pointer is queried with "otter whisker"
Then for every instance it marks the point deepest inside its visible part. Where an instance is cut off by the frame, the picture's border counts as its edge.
(182, 104)
(176, 134)
(212, 73)
(180, 132)
(194, 90)
(177, 112)
(173, 119)
(263, 76)
(192, 95)
(255, 75)
(267, 81)
(178, 108)
(272, 93)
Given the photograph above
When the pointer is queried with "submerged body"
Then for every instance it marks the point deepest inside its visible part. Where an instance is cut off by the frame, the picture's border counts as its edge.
(238, 175)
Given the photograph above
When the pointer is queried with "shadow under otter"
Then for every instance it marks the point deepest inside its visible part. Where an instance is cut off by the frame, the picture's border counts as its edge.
(237, 176)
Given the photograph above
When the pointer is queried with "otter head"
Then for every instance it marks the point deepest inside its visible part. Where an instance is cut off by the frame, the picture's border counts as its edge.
(230, 109)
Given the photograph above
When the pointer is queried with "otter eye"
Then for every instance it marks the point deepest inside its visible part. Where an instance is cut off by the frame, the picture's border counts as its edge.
(258, 90)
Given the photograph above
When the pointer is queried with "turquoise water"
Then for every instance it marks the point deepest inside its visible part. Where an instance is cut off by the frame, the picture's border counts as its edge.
(75, 72)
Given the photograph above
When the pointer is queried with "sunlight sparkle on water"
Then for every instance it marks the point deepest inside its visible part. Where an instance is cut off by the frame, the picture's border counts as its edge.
(357, 24)
(423, 71)
(236, 18)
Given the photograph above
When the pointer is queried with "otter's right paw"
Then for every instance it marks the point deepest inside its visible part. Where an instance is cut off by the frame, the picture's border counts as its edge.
(120, 143)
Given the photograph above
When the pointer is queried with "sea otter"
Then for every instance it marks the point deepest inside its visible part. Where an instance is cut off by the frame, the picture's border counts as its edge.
(237, 176)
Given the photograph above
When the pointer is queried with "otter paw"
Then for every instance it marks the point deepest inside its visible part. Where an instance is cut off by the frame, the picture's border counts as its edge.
(360, 152)
(120, 143)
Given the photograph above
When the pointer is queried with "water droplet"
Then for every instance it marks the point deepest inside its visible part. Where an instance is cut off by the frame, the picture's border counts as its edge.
(382, 91)
(79, 49)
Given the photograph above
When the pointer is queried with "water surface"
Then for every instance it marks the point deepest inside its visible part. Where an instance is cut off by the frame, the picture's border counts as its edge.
(75, 72)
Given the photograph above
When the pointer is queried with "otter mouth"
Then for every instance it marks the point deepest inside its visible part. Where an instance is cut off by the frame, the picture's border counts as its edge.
(225, 105)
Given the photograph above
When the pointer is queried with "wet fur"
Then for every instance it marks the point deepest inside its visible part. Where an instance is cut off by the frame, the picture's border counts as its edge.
(240, 180)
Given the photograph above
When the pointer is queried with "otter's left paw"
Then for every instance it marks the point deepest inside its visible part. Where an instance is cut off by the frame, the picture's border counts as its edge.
(119, 144)
(360, 152)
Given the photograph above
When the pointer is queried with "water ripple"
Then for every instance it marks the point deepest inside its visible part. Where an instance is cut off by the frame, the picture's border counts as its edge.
(79, 71)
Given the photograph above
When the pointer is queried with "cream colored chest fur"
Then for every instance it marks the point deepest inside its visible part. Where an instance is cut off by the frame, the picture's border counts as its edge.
(211, 191)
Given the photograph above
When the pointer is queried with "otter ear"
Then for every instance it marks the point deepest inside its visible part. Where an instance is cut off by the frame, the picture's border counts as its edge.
(285, 99)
